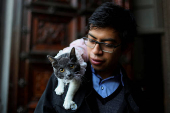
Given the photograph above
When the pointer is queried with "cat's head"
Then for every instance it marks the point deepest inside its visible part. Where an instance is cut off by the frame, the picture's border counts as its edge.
(66, 65)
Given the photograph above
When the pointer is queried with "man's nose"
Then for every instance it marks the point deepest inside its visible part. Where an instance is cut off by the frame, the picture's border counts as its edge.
(97, 49)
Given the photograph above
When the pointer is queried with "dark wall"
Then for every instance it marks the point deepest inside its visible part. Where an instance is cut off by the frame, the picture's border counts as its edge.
(148, 70)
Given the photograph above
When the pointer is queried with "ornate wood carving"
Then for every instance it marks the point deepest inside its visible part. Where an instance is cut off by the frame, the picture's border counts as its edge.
(49, 33)
(39, 74)
(95, 3)
(41, 78)
(62, 1)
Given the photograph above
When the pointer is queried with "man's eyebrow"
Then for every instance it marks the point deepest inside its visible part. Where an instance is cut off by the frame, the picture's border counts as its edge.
(92, 35)
(108, 39)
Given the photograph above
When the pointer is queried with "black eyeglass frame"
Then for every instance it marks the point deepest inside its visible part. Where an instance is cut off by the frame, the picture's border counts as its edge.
(96, 42)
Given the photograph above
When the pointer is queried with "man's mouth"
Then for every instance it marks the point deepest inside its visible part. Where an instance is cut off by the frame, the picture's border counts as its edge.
(96, 61)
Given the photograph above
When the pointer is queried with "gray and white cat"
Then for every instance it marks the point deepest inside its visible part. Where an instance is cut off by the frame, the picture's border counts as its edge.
(67, 68)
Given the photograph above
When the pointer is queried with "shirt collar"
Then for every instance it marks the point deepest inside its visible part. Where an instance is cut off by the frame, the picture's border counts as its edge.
(112, 77)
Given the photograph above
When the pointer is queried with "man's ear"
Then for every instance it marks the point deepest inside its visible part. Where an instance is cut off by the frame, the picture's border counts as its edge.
(128, 47)
(73, 55)
(52, 60)
(126, 53)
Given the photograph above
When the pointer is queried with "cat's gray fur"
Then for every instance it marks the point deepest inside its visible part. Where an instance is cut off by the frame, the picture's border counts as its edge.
(67, 68)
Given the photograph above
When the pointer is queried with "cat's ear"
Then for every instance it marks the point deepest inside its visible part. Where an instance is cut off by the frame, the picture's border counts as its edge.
(73, 55)
(52, 59)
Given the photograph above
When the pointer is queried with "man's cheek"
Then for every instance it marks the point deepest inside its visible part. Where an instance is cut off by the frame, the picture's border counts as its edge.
(88, 52)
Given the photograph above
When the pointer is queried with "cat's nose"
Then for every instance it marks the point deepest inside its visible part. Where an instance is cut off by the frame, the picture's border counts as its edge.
(69, 75)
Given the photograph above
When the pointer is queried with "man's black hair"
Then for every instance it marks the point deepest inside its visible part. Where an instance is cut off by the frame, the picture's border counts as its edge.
(116, 17)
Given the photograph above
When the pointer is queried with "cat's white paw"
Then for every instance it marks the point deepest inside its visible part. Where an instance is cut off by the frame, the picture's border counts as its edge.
(69, 105)
(59, 91)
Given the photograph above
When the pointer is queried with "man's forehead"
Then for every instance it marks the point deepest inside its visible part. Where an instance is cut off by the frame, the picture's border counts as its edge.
(104, 39)
(103, 36)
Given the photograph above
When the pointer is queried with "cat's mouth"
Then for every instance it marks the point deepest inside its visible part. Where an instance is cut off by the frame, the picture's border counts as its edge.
(68, 78)
(77, 72)
(65, 77)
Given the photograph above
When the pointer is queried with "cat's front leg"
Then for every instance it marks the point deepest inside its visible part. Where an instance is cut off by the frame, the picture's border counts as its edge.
(59, 90)
(73, 87)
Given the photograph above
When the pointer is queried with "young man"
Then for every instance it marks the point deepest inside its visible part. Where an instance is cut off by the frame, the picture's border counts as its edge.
(105, 87)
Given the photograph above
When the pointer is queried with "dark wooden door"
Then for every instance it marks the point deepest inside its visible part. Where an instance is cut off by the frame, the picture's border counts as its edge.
(47, 26)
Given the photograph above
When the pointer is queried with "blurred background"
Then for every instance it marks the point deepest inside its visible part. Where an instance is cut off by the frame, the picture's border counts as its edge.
(32, 29)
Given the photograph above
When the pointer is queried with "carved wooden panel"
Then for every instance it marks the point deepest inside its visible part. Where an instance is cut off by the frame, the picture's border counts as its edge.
(123, 3)
(41, 78)
(61, 1)
(39, 74)
(49, 33)
(95, 3)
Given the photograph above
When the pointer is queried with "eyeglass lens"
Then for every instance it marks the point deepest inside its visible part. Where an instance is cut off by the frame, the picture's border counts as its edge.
(105, 47)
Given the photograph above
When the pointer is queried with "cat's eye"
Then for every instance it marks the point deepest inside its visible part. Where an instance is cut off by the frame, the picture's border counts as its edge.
(71, 66)
(61, 70)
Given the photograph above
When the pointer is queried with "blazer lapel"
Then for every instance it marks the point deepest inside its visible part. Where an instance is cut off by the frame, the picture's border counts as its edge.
(91, 102)
(86, 92)
(128, 85)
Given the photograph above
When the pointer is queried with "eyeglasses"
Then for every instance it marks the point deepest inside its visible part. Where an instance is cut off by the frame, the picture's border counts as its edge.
(105, 47)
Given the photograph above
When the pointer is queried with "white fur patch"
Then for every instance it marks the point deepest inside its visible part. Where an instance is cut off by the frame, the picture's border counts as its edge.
(74, 84)
(72, 89)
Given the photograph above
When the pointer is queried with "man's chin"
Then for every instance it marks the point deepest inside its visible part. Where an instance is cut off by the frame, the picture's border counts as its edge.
(98, 68)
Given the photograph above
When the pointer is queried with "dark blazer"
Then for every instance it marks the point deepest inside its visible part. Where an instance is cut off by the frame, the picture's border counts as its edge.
(84, 97)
